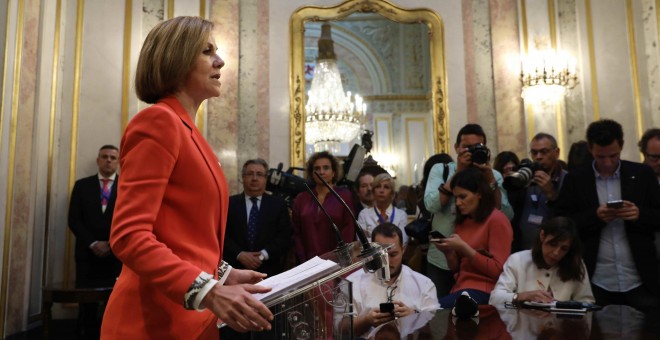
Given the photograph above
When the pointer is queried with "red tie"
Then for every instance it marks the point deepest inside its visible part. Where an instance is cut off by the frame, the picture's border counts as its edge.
(105, 192)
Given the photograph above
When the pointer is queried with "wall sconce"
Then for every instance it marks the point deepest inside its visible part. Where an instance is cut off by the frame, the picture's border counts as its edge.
(546, 75)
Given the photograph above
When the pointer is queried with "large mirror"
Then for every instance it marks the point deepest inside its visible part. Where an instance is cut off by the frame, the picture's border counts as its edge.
(392, 57)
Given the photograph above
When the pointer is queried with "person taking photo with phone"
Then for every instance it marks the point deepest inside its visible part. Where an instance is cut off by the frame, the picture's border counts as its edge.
(439, 200)
(482, 242)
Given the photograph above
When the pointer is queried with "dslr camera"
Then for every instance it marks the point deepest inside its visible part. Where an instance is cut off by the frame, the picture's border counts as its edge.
(480, 153)
(522, 177)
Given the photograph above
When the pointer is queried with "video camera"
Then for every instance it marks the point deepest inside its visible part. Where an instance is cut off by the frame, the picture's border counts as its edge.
(285, 185)
(522, 177)
(480, 153)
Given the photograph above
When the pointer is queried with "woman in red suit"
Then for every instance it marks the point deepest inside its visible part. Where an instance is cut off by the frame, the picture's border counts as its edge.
(171, 205)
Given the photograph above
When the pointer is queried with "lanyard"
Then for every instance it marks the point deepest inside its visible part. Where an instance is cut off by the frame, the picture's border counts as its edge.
(380, 218)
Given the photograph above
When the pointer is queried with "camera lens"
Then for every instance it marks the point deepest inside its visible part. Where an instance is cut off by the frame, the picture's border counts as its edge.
(523, 177)
(480, 154)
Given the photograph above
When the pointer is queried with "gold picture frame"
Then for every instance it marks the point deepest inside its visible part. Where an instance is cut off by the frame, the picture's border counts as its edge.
(391, 12)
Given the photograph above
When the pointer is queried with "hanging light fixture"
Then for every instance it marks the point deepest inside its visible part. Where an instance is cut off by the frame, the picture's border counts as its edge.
(332, 115)
(546, 75)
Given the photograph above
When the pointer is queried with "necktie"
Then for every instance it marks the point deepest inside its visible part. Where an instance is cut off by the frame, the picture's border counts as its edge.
(252, 223)
(105, 193)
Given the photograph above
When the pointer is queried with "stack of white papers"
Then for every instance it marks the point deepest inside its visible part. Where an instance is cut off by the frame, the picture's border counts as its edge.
(314, 269)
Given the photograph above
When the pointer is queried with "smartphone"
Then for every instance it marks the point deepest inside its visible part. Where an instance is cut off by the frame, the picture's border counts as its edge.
(435, 235)
(387, 307)
(615, 204)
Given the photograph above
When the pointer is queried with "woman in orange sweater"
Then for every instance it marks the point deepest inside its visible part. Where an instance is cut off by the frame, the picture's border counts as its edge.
(171, 208)
(482, 242)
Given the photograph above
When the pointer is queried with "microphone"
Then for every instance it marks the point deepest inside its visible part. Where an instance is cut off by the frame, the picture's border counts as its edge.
(342, 248)
(376, 264)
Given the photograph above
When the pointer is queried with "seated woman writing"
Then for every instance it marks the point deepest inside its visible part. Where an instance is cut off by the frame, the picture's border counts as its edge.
(551, 270)
(482, 242)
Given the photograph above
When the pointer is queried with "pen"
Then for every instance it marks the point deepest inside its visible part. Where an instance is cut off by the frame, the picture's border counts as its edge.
(541, 285)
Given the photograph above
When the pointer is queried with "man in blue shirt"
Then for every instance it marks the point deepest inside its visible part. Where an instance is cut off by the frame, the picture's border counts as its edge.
(616, 206)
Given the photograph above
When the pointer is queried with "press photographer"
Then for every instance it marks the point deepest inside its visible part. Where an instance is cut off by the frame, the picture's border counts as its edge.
(531, 186)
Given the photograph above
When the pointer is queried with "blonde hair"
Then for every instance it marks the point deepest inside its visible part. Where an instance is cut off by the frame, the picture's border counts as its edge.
(384, 177)
(167, 56)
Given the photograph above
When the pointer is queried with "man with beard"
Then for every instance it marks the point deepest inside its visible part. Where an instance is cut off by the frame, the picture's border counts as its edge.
(408, 291)
(364, 192)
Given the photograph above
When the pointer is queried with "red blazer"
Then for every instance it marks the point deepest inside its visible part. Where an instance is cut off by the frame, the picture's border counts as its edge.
(168, 226)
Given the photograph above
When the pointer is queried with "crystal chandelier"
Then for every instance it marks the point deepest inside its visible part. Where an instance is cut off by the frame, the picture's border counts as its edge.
(332, 115)
(546, 75)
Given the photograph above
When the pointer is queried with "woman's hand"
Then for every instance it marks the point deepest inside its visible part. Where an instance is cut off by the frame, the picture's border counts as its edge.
(238, 276)
(455, 243)
(236, 307)
(536, 295)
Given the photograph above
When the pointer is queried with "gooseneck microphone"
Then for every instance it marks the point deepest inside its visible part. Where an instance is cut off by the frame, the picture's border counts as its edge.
(342, 248)
(367, 248)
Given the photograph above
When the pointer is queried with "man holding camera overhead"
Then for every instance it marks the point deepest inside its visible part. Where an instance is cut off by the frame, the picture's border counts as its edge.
(530, 188)
(471, 151)
(616, 206)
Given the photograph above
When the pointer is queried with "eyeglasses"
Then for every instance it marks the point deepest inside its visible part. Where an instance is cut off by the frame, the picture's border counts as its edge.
(390, 292)
(652, 157)
(254, 174)
(543, 151)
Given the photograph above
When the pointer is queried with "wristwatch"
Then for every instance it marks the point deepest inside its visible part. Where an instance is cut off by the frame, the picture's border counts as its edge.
(514, 301)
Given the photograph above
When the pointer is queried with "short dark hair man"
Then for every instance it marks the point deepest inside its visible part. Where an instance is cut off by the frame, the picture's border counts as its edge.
(530, 202)
(90, 217)
(616, 206)
(410, 291)
(438, 198)
(258, 234)
(649, 146)
(364, 192)
(264, 248)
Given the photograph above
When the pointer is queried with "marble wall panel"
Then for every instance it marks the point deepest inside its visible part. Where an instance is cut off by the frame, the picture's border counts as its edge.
(506, 69)
(223, 112)
(483, 60)
(652, 58)
(613, 66)
(575, 113)
(22, 198)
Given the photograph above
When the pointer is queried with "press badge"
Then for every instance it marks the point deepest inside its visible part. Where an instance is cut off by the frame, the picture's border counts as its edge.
(535, 219)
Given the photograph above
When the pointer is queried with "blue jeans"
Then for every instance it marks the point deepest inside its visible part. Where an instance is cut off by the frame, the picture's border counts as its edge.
(479, 296)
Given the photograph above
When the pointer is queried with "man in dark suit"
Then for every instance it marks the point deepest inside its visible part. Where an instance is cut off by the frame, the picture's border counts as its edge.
(258, 234)
(90, 217)
(363, 192)
(617, 236)
(263, 247)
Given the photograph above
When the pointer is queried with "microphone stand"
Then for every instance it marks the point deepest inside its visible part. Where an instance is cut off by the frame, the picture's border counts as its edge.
(368, 249)
(342, 248)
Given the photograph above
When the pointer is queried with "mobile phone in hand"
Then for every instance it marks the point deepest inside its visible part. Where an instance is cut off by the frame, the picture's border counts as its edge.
(618, 204)
(387, 307)
(435, 236)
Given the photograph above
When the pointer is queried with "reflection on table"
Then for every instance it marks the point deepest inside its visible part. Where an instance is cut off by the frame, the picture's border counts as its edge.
(612, 322)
